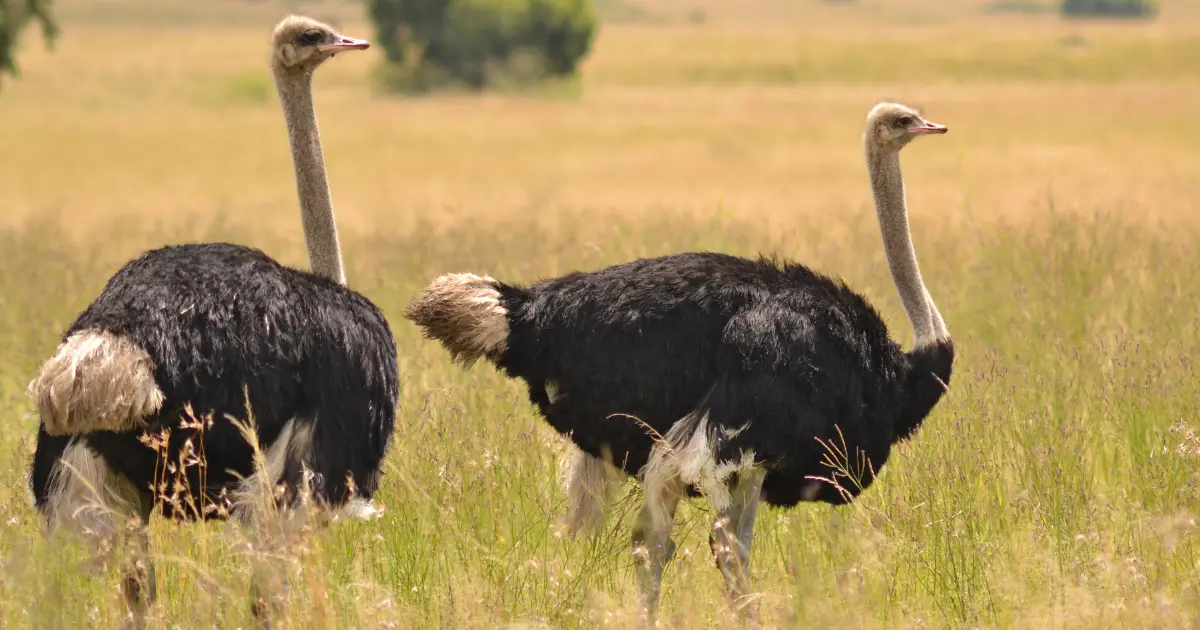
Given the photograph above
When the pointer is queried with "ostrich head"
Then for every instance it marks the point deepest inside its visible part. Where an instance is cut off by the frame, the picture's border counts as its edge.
(890, 126)
(302, 44)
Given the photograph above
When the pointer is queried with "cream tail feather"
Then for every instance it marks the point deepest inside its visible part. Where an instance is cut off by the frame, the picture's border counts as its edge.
(96, 381)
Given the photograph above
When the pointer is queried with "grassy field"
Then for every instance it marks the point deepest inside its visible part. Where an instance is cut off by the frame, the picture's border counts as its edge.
(1056, 486)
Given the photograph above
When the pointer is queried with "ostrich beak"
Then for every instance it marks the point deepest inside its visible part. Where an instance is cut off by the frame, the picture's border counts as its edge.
(928, 128)
(345, 43)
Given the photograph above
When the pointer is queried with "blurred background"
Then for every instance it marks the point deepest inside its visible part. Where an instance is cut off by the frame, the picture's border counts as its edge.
(1056, 486)
(488, 108)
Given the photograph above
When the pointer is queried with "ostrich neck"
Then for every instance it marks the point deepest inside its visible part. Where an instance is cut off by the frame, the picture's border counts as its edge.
(887, 185)
(312, 184)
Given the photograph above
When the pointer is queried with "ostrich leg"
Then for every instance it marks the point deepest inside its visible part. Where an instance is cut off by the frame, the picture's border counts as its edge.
(138, 581)
(732, 534)
(653, 547)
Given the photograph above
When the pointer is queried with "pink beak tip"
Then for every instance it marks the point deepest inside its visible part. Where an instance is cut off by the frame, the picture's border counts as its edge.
(346, 43)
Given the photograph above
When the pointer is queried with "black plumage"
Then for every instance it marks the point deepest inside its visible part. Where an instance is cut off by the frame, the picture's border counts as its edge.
(790, 354)
(225, 324)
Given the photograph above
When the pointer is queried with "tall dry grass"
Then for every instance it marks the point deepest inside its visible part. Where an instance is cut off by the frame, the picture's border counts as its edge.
(1055, 486)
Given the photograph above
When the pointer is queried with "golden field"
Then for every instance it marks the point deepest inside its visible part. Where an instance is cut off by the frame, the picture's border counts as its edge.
(1054, 487)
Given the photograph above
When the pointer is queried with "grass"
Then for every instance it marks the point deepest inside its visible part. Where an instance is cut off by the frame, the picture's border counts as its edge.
(1054, 487)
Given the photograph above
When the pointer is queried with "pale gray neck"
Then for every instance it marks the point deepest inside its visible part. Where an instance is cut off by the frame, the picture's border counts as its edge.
(316, 204)
(887, 185)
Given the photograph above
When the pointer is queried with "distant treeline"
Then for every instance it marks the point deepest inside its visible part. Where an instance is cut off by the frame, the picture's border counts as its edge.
(1114, 8)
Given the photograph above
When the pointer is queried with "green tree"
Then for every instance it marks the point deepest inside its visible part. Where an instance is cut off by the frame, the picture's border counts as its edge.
(15, 15)
(1109, 8)
(480, 43)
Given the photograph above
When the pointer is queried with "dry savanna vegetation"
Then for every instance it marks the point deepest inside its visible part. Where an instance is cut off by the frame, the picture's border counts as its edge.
(1054, 487)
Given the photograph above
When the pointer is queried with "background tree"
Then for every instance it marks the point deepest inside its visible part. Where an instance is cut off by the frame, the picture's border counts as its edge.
(15, 15)
(482, 43)
(1109, 8)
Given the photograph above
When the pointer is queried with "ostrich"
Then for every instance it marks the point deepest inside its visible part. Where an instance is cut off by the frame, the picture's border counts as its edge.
(705, 373)
(215, 330)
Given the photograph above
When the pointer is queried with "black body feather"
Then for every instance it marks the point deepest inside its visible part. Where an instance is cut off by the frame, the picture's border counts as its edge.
(777, 355)
(225, 323)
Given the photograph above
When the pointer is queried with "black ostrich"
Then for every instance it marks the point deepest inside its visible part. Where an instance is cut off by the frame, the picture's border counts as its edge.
(741, 374)
(223, 329)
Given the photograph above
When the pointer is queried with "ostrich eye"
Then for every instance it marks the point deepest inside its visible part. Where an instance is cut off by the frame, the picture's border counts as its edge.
(904, 121)
(312, 37)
